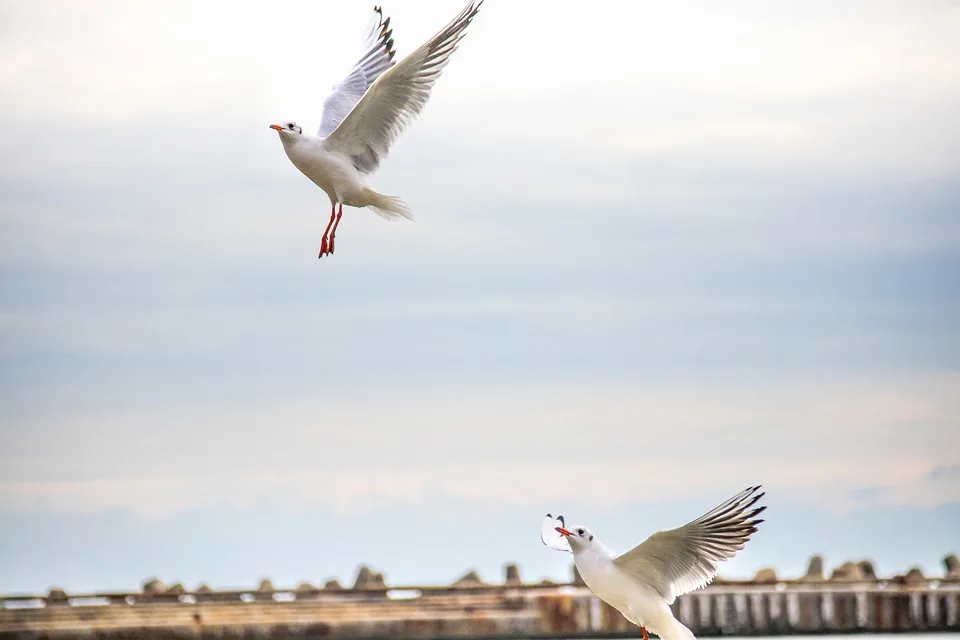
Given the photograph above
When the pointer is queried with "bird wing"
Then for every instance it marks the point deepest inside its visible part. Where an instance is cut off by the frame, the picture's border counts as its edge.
(680, 560)
(550, 536)
(377, 57)
(397, 97)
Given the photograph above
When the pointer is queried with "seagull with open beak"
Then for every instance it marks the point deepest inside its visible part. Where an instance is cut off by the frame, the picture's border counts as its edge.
(643, 582)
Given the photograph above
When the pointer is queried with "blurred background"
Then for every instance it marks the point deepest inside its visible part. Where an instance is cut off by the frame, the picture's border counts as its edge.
(662, 252)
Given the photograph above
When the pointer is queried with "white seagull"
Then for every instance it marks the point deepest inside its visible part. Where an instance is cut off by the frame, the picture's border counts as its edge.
(643, 582)
(365, 114)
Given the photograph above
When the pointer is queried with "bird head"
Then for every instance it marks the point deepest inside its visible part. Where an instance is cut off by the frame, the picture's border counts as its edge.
(288, 129)
(578, 537)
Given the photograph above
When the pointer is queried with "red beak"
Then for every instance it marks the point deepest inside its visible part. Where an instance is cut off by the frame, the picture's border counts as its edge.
(564, 531)
(277, 127)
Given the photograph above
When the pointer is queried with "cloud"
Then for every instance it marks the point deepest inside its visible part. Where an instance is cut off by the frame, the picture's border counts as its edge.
(813, 88)
(938, 485)
(432, 543)
(578, 442)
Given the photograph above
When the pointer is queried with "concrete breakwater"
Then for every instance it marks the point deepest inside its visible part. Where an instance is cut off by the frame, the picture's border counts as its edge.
(849, 600)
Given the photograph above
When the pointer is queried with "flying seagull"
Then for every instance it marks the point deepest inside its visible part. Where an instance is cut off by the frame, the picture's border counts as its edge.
(643, 582)
(365, 114)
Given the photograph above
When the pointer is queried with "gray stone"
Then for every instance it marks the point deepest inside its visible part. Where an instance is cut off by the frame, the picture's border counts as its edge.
(367, 579)
(847, 572)
(57, 596)
(766, 575)
(153, 586)
(951, 565)
(915, 576)
(469, 579)
(814, 569)
(577, 578)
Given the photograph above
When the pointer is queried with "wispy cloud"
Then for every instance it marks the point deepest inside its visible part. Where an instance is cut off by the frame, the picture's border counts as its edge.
(521, 445)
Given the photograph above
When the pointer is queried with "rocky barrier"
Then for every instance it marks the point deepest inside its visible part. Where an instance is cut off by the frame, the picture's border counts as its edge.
(851, 599)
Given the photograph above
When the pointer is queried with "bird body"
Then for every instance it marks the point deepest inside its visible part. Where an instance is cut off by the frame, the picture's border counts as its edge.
(365, 114)
(334, 173)
(642, 583)
(639, 603)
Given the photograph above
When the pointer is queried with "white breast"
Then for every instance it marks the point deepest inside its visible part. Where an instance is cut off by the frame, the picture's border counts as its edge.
(634, 600)
(330, 171)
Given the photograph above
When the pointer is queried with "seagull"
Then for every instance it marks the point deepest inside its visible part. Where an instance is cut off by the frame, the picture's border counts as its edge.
(365, 114)
(643, 582)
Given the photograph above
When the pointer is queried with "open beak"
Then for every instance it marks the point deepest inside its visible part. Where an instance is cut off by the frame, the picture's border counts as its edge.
(277, 127)
(564, 531)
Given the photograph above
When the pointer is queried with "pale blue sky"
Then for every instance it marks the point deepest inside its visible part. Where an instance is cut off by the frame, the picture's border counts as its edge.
(662, 251)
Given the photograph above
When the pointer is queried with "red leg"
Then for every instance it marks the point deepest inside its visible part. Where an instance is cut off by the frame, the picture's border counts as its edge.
(323, 243)
(645, 635)
(336, 224)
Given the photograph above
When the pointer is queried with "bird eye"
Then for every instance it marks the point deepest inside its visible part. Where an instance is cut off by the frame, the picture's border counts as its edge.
(580, 532)
(290, 125)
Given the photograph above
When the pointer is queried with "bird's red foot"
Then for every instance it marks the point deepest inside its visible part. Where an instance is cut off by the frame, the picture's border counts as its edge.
(326, 246)
(645, 635)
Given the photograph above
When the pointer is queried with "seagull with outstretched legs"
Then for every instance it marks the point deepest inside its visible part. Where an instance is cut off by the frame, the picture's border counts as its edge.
(363, 117)
(643, 582)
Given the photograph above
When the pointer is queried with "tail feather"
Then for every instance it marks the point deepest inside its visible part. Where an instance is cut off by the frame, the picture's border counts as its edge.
(389, 207)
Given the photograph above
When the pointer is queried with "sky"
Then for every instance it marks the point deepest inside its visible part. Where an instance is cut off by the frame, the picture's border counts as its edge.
(662, 251)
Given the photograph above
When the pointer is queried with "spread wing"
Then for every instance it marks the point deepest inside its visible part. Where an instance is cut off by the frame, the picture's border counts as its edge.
(377, 57)
(680, 560)
(550, 536)
(397, 97)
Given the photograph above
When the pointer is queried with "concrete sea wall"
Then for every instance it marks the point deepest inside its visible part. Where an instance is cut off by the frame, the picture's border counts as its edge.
(848, 601)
